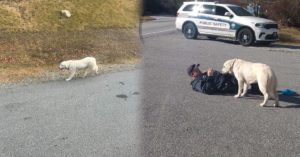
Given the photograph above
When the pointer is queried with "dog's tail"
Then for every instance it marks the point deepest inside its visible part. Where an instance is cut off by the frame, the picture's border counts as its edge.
(273, 85)
(275, 90)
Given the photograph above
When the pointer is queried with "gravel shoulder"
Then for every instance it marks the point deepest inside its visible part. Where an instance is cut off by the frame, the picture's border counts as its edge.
(61, 75)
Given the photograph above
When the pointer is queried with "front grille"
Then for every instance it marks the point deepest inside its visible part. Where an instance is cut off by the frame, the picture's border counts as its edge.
(269, 26)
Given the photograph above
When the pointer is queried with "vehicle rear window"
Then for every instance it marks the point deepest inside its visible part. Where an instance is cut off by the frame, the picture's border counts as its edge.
(189, 7)
(239, 11)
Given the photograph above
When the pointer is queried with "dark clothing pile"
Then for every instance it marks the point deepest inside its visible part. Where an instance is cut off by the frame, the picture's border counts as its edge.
(218, 84)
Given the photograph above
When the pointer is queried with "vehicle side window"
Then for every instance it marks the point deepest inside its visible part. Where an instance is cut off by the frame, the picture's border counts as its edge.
(189, 7)
(221, 11)
(208, 9)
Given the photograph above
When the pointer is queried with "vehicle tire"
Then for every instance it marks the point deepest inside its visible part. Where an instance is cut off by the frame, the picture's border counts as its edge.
(245, 37)
(211, 37)
(190, 31)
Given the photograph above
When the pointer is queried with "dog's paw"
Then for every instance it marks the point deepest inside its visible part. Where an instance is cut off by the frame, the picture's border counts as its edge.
(236, 96)
(243, 95)
(262, 105)
(68, 79)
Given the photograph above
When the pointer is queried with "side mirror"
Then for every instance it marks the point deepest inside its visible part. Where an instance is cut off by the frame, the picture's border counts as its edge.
(228, 14)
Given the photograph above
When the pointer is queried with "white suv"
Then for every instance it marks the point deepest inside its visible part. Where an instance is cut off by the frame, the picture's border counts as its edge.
(224, 20)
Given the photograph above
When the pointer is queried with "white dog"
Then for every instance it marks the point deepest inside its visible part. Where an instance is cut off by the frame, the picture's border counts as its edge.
(88, 63)
(247, 73)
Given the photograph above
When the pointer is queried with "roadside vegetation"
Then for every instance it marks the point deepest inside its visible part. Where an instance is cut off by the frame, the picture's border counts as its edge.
(289, 35)
(35, 37)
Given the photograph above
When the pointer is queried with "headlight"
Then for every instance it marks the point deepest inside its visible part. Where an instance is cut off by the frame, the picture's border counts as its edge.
(260, 25)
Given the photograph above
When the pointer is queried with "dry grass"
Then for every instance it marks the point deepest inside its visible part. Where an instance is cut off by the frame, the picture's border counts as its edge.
(12, 75)
(289, 35)
(36, 49)
(35, 37)
(43, 15)
(30, 54)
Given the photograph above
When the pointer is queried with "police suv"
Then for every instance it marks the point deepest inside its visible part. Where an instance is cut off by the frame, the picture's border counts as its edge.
(224, 20)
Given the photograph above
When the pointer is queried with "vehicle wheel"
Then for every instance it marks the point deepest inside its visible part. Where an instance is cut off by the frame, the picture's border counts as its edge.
(245, 37)
(190, 31)
(211, 37)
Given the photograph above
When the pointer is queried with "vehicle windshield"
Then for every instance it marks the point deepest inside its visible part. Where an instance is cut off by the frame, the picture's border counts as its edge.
(239, 11)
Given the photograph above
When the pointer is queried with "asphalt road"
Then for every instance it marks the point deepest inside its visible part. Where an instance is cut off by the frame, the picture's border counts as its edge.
(96, 116)
(179, 122)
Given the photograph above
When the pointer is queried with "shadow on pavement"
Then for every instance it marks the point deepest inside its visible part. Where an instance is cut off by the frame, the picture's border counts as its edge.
(295, 99)
(223, 40)
(277, 45)
(290, 99)
(272, 45)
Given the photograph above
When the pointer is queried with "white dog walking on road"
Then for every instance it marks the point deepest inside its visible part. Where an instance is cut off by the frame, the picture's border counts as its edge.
(248, 72)
(88, 63)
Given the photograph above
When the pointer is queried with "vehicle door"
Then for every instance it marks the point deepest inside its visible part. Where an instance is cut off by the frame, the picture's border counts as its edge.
(223, 22)
(205, 19)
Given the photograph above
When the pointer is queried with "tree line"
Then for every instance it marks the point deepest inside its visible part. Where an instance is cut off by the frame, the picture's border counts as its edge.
(161, 6)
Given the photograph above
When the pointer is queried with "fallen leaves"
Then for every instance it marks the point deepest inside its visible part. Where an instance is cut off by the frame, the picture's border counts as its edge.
(7, 59)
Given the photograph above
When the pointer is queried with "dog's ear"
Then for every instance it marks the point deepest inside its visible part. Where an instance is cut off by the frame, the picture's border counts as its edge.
(232, 62)
(197, 65)
(67, 66)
